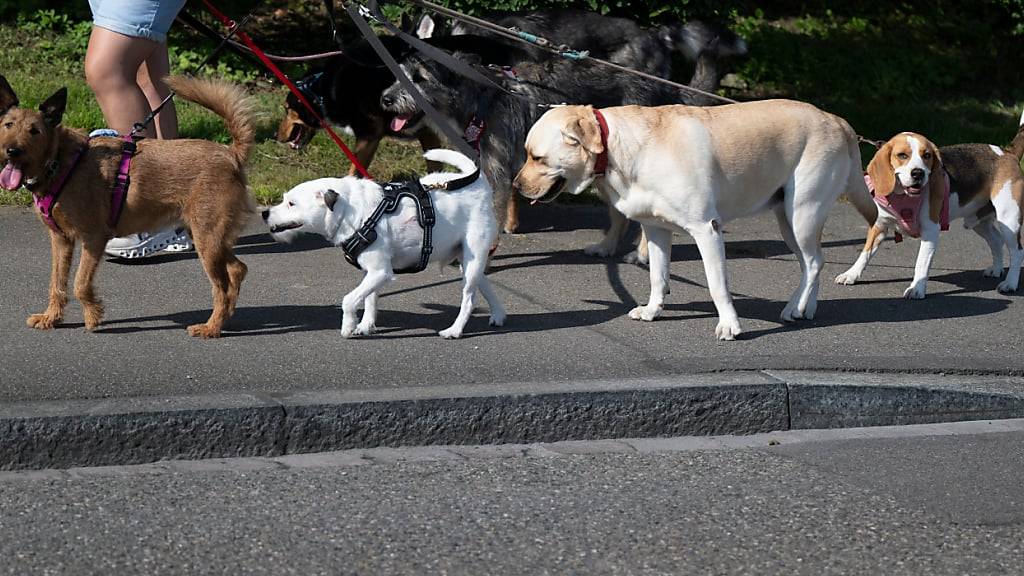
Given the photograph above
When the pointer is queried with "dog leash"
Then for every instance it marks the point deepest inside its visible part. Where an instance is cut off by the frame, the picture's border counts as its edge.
(232, 26)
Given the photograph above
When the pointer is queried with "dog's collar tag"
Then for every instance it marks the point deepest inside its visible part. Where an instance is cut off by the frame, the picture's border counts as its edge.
(601, 164)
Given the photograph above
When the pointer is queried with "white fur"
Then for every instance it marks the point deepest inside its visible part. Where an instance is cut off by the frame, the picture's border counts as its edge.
(465, 230)
(996, 149)
(673, 180)
(916, 161)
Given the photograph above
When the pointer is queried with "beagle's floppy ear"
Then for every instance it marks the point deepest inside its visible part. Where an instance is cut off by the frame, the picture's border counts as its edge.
(8, 99)
(881, 171)
(53, 107)
(585, 131)
(936, 183)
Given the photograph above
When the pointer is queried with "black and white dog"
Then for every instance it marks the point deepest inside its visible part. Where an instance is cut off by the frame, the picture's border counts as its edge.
(505, 119)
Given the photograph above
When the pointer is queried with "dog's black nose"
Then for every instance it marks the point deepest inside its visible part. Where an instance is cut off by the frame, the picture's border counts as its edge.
(266, 215)
(387, 101)
(14, 152)
(917, 174)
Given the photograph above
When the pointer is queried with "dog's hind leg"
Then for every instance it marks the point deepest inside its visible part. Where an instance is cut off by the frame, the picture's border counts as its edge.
(1008, 222)
(987, 230)
(237, 271)
(473, 267)
(497, 310)
(61, 253)
(85, 292)
(215, 260)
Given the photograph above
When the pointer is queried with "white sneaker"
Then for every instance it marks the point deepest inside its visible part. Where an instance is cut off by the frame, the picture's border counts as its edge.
(145, 244)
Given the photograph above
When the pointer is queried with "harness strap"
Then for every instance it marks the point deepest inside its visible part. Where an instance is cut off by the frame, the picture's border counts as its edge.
(119, 193)
(45, 203)
(355, 244)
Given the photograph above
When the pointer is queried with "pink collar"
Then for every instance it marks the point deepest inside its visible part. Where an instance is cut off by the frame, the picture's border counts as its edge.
(601, 164)
(906, 209)
(45, 203)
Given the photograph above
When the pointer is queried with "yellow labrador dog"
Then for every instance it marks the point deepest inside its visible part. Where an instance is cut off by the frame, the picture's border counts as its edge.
(685, 168)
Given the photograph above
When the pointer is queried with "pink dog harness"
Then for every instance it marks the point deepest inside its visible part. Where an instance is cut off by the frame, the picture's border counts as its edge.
(906, 208)
(45, 203)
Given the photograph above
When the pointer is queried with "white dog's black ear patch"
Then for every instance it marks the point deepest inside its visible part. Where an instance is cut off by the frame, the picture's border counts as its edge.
(330, 197)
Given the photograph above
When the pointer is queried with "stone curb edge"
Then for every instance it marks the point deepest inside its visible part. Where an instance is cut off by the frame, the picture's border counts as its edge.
(66, 434)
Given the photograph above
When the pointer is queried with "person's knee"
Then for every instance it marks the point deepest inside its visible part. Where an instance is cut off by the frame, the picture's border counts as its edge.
(105, 76)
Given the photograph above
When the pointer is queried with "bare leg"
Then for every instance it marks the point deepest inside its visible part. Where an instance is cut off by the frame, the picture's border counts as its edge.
(150, 78)
(112, 64)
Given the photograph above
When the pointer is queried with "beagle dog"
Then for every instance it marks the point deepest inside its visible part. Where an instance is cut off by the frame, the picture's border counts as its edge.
(693, 169)
(985, 187)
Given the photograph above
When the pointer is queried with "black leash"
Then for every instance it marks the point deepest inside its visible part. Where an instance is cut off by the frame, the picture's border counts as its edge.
(453, 135)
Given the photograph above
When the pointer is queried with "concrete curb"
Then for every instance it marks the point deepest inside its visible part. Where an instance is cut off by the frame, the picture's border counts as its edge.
(138, 430)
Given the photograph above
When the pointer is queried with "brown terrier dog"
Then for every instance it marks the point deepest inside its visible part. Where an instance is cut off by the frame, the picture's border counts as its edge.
(199, 183)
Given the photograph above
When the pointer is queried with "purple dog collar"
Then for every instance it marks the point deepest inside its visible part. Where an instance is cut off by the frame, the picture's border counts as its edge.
(45, 203)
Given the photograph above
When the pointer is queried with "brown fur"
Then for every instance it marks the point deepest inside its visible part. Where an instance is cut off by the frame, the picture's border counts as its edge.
(197, 182)
(1016, 148)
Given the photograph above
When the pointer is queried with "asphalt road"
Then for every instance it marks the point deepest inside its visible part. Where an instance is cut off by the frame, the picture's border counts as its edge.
(567, 316)
(876, 502)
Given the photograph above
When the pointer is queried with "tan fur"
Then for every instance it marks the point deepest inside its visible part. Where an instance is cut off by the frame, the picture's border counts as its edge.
(199, 183)
(881, 170)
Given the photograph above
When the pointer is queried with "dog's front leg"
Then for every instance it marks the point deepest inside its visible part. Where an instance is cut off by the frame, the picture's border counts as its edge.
(929, 242)
(372, 282)
(711, 245)
(659, 242)
(85, 291)
(616, 229)
(61, 253)
(369, 322)
(874, 239)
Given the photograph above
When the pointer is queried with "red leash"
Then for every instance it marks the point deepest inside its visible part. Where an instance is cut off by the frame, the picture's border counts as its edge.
(230, 25)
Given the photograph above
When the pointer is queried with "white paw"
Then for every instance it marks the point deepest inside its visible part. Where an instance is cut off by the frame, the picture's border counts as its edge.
(600, 250)
(728, 329)
(365, 329)
(1007, 287)
(848, 278)
(992, 271)
(497, 319)
(790, 314)
(645, 313)
(348, 331)
(634, 258)
(450, 333)
(914, 292)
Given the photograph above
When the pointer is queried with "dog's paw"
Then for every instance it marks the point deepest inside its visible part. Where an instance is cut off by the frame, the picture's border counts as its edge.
(365, 329)
(916, 292)
(348, 331)
(497, 319)
(848, 278)
(645, 313)
(728, 329)
(992, 271)
(599, 250)
(450, 333)
(1007, 287)
(634, 257)
(42, 321)
(203, 331)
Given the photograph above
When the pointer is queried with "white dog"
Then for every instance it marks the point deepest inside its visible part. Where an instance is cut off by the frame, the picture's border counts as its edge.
(465, 230)
(684, 168)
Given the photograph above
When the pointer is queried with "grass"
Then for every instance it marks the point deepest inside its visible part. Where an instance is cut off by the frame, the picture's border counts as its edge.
(963, 89)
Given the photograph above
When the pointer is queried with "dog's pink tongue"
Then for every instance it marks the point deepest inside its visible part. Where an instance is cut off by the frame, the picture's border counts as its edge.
(10, 177)
(398, 122)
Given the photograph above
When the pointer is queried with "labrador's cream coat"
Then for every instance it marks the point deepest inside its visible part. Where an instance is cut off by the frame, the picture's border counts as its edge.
(692, 169)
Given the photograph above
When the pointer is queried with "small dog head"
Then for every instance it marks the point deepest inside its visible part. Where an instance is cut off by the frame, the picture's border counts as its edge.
(905, 164)
(27, 137)
(298, 126)
(312, 207)
(398, 101)
(561, 150)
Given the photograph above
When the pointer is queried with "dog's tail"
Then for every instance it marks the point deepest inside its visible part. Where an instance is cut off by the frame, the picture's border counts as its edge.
(458, 160)
(1017, 146)
(225, 99)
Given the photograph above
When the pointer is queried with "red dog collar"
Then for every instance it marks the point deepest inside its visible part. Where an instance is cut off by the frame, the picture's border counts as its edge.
(601, 164)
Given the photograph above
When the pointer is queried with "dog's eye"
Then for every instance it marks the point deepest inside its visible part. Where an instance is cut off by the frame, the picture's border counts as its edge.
(927, 155)
(902, 156)
(8, 124)
(537, 158)
(291, 204)
(33, 130)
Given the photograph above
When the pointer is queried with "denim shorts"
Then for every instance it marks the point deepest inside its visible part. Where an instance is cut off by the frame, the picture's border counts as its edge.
(149, 19)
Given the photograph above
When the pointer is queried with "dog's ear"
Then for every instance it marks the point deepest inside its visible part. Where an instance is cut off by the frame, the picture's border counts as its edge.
(936, 184)
(8, 99)
(53, 107)
(883, 175)
(426, 28)
(586, 132)
(330, 199)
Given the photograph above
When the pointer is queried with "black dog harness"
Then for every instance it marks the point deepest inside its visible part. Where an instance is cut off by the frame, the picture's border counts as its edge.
(355, 244)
